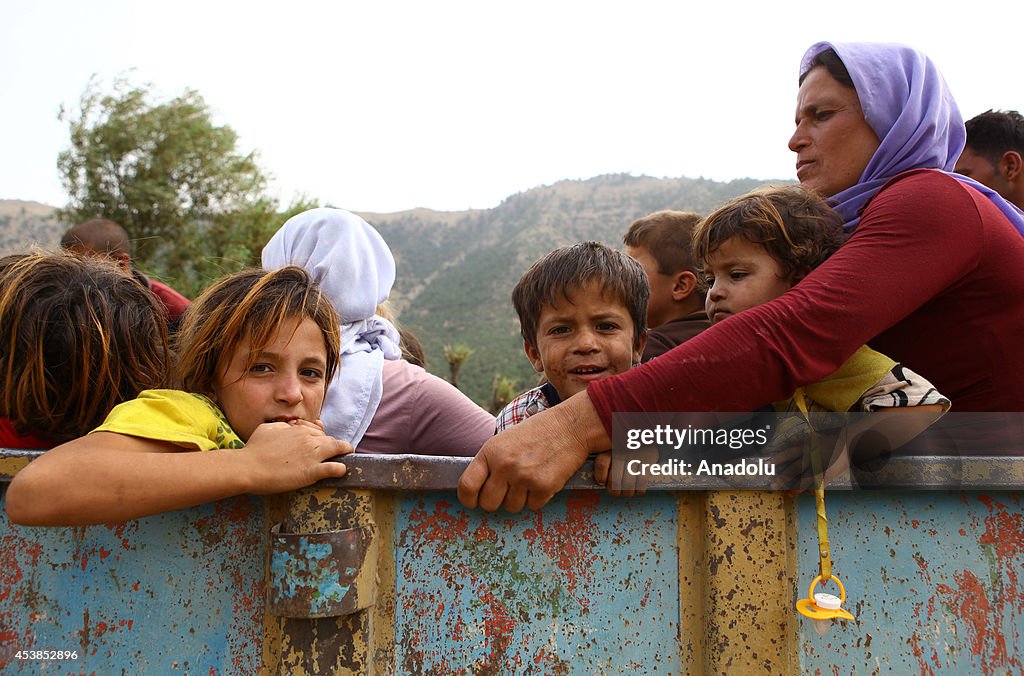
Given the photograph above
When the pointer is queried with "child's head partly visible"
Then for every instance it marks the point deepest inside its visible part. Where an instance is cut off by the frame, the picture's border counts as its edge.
(77, 337)
(262, 345)
(100, 237)
(661, 242)
(582, 312)
(759, 245)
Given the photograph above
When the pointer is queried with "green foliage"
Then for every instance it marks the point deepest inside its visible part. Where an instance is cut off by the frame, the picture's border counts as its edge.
(503, 390)
(228, 243)
(193, 204)
(456, 270)
(456, 356)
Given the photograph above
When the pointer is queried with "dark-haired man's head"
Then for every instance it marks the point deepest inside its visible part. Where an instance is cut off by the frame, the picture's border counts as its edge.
(994, 155)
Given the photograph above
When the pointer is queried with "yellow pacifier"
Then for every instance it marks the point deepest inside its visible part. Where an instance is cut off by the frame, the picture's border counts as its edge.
(822, 607)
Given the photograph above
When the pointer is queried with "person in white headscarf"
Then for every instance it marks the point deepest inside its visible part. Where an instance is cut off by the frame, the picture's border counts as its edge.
(377, 401)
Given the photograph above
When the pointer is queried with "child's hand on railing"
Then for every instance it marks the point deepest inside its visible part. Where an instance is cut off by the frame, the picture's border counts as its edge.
(612, 471)
(290, 455)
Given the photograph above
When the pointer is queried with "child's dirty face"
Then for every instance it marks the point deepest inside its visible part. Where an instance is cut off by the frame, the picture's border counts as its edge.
(286, 382)
(741, 275)
(584, 338)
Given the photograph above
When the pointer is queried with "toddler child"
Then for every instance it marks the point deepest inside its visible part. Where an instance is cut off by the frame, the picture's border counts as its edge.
(762, 244)
(256, 351)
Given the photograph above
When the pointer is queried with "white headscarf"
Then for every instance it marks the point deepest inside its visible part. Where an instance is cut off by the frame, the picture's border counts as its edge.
(355, 270)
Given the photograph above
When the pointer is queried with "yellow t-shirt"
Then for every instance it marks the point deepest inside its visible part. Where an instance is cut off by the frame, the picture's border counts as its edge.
(868, 381)
(178, 417)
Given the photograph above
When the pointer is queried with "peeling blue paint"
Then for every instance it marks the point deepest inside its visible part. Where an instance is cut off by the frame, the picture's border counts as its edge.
(904, 559)
(137, 597)
(292, 575)
(591, 584)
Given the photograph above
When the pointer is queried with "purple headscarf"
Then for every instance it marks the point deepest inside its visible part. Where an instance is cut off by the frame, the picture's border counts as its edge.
(908, 105)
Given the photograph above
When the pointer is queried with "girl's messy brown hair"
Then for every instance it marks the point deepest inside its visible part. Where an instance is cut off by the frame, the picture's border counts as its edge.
(251, 304)
(77, 337)
(793, 224)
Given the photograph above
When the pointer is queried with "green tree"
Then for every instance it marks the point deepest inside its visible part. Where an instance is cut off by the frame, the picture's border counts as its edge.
(228, 243)
(503, 390)
(456, 356)
(193, 203)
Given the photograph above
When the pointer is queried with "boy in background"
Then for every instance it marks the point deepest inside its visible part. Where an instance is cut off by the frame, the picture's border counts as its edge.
(582, 312)
(103, 237)
(661, 244)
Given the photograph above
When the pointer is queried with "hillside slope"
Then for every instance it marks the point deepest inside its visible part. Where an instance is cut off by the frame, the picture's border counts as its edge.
(456, 270)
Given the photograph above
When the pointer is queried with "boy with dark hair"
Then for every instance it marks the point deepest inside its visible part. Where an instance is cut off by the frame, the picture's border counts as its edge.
(581, 312)
(660, 243)
(994, 154)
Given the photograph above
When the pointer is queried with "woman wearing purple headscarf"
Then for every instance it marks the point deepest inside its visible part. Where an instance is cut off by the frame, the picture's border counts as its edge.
(932, 275)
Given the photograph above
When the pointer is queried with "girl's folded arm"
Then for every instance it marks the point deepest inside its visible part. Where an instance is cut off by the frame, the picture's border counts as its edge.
(107, 476)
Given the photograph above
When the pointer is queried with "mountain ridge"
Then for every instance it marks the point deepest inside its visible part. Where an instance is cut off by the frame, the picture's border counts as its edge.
(456, 269)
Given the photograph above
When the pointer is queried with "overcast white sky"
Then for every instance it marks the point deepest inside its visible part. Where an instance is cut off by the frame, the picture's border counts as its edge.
(384, 106)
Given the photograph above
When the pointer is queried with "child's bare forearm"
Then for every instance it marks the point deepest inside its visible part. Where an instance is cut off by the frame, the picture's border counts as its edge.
(112, 477)
(87, 483)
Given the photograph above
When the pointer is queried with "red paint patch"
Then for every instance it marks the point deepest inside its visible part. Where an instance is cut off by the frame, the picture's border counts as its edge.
(485, 533)
(123, 530)
(970, 602)
(441, 530)
(570, 543)
(440, 526)
(990, 609)
(1005, 531)
(647, 593)
(498, 627)
(15, 552)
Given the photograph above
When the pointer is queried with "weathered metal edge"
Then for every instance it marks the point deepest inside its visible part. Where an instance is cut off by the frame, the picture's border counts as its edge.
(431, 472)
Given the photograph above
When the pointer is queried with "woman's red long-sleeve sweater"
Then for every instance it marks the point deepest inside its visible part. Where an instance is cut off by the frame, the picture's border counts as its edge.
(933, 276)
